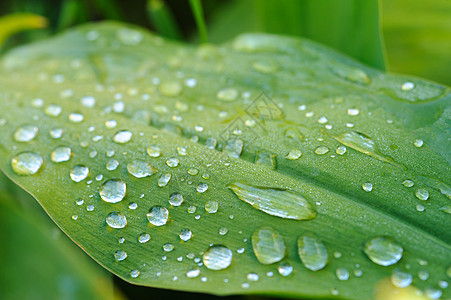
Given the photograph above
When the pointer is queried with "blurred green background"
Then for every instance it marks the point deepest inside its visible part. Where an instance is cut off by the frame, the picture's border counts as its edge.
(402, 36)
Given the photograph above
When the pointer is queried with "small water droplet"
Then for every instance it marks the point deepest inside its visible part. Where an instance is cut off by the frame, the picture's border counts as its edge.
(112, 164)
(168, 247)
(129, 37)
(76, 117)
(407, 86)
(275, 202)
(408, 183)
(122, 137)
(294, 154)
(211, 206)
(321, 150)
(113, 190)
(266, 66)
(353, 112)
(228, 94)
(285, 269)
(418, 143)
(217, 257)
(268, 245)
(56, 133)
(120, 255)
(342, 274)
(322, 120)
(312, 252)
(432, 293)
(176, 199)
(422, 194)
(185, 234)
(341, 150)
(164, 179)
(53, 110)
(202, 188)
(27, 163)
(193, 273)
(171, 88)
(367, 187)
(158, 215)
(116, 220)
(234, 147)
(384, 251)
(25, 133)
(423, 275)
(61, 154)
(223, 230)
(134, 273)
(172, 162)
(140, 169)
(79, 173)
(144, 238)
(252, 277)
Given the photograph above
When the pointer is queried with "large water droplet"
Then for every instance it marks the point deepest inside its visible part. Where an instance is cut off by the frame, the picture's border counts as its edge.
(268, 245)
(116, 220)
(217, 257)
(312, 252)
(27, 163)
(113, 190)
(275, 202)
(140, 168)
(158, 215)
(384, 251)
(61, 154)
(25, 133)
(79, 173)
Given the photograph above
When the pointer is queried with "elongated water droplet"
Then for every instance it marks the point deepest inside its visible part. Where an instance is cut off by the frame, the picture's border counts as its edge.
(268, 245)
(321, 150)
(113, 190)
(193, 273)
(408, 183)
(362, 143)
(120, 255)
(266, 66)
(164, 179)
(27, 163)
(217, 257)
(312, 252)
(158, 215)
(176, 199)
(116, 220)
(352, 74)
(384, 251)
(173, 162)
(140, 168)
(79, 173)
(122, 137)
(438, 185)
(61, 154)
(276, 202)
(25, 133)
(53, 110)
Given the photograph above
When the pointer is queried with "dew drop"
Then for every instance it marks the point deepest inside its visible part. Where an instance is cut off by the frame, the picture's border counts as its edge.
(154, 151)
(140, 169)
(353, 112)
(294, 154)
(223, 230)
(185, 234)
(171, 88)
(172, 162)
(211, 206)
(56, 133)
(122, 137)
(275, 202)
(342, 274)
(79, 173)
(407, 86)
(120, 255)
(252, 277)
(53, 110)
(116, 220)
(418, 143)
(367, 187)
(234, 147)
(228, 94)
(312, 252)
(285, 269)
(408, 183)
(268, 245)
(422, 194)
(176, 199)
(144, 238)
(193, 171)
(129, 37)
(61, 154)
(76, 117)
(384, 251)
(112, 164)
(265, 66)
(168, 247)
(217, 257)
(193, 273)
(423, 275)
(341, 150)
(113, 190)
(202, 188)
(25, 133)
(134, 273)
(158, 215)
(432, 293)
(321, 150)
(266, 159)
(164, 179)
(27, 163)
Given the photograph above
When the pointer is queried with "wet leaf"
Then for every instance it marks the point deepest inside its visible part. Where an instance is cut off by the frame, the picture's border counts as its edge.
(159, 131)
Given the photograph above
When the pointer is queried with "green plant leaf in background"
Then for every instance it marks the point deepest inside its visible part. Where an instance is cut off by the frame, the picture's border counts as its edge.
(268, 165)
(14, 23)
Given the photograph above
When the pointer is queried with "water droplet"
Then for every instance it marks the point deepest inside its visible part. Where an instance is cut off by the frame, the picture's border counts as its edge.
(422, 194)
(294, 154)
(337, 254)
(384, 251)
(193, 273)
(408, 183)
(266, 66)
(122, 137)
(202, 188)
(358, 273)
(116, 219)
(443, 284)
(191, 209)
(53, 110)
(252, 277)
(223, 231)
(140, 169)
(211, 143)
(76, 117)
(285, 269)
(268, 245)
(88, 101)
(420, 208)
(322, 120)
(228, 94)
(407, 86)
(112, 164)
(79, 173)
(423, 275)
(172, 162)
(113, 190)
(134, 273)
(56, 133)
(164, 179)
(342, 274)
(353, 112)
(129, 37)
(176, 199)
(367, 187)
(90, 207)
(321, 150)
(266, 159)
(120, 255)
(341, 150)
(185, 234)
(234, 147)
(217, 257)
(312, 252)
(432, 293)
(446, 209)
(352, 74)
(171, 88)
(168, 247)
(61, 154)
(144, 238)
(193, 171)
(158, 215)
(418, 143)
(211, 206)
(25, 133)
(275, 202)
(27, 163)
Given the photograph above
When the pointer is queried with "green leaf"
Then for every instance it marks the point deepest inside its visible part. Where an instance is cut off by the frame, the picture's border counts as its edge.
(198, 12)
(346, 140)
(351, 26)
(14, 23)
(161, 17)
